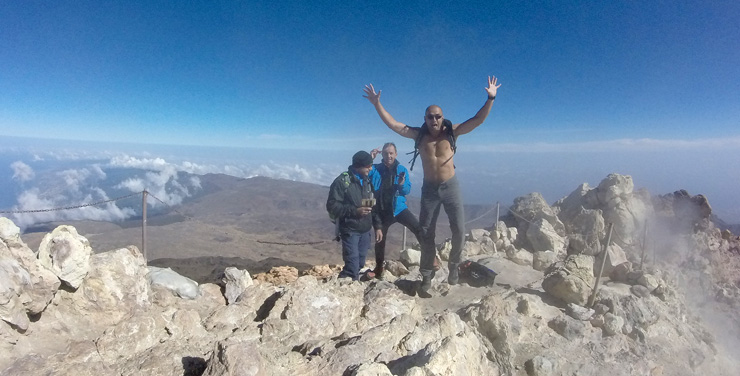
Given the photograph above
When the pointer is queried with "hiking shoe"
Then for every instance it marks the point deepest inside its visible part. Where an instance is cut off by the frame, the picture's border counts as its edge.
(454, 277)
(425, 286)
(378, 272)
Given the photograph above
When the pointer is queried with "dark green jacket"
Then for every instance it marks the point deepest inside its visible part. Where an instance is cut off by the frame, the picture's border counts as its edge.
(344, 199)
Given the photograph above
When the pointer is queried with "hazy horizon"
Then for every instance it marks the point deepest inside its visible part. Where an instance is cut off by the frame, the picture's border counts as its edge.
(40, 173)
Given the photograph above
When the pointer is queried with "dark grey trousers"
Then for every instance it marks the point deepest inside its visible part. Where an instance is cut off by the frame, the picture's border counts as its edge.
(433, 197)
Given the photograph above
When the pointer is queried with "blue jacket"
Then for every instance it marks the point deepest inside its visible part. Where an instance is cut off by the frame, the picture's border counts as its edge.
(399, 192)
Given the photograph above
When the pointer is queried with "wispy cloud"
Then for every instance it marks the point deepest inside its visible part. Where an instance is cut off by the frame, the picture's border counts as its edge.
(21, 171)
(75, 177)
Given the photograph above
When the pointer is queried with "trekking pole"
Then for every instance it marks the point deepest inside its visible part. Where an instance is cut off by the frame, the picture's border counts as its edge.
(601, 269)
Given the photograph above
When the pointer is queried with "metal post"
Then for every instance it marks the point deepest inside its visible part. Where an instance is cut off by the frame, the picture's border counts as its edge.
(601, 269)
(143, 224)
(498, 212)
(404, 238)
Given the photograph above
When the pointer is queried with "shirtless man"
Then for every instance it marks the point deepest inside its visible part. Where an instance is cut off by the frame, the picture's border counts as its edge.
(440, 187)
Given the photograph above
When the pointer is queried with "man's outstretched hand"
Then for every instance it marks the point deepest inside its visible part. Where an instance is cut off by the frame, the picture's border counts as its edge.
(372, 96)
(491, 89)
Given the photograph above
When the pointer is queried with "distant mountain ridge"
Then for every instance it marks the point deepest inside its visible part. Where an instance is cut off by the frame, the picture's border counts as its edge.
(253, 219)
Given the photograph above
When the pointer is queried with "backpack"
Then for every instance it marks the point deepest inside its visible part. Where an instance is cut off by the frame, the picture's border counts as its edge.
(345, 180)
(423, 131)
(476, 274)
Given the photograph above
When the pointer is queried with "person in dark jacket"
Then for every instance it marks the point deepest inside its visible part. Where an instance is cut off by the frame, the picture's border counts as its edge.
(355, 221)
(391, 183)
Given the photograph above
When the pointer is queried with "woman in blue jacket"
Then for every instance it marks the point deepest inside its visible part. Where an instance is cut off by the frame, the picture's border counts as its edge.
(391, 184)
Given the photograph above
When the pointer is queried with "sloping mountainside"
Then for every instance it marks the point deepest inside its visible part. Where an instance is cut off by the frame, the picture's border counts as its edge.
(257, 222)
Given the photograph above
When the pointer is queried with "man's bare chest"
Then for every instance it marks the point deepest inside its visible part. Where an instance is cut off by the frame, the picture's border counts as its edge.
(437, 147)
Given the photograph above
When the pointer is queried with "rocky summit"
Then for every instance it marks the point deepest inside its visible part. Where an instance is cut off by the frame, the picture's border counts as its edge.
(606, 281)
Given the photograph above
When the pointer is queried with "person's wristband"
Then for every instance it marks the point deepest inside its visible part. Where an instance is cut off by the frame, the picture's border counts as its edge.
(492, 98)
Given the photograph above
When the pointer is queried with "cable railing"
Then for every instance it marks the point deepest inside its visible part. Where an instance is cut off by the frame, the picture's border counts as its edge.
(144, 204)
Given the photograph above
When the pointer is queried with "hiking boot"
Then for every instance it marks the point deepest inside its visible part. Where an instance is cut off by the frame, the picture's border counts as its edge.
(378, 272)
(454, 277)
(426, 285)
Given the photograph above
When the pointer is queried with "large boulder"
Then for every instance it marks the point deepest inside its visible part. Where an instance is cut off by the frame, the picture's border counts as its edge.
(543, 237)
(43, 283)
(614, 189)
(585, 232)
(311, 310)
(586, 211)
(115, 288)
(532, 207)
(573, 281)
(570, 206)
(67, 254)
(498, 323)
(383, 301)
(179, 285)
(14, 280)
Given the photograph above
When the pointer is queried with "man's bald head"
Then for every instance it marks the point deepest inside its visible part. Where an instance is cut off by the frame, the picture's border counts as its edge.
(433, 108)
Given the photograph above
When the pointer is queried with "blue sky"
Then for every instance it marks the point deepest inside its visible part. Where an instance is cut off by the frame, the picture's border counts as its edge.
(649, 89)
(290, 74)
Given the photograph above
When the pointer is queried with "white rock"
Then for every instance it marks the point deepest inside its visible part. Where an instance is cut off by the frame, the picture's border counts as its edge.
(43, 283)
(115, 288)
(182, 286)
(543, 260)
(612, 324)
(477, 233)
(539, 366)
(543, 237)
(236, 358)
(471, 248)
(67, 254)
(236, 282)
(487, 246)
(14, 280)
(519, 256)
(411, 257)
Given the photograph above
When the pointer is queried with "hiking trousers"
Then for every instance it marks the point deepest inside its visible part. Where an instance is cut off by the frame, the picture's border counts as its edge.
(407, 219)
(433, 197)
(354, 251)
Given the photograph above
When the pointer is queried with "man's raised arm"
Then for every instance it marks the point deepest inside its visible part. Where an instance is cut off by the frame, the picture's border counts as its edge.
(394, 125)
(482, 114)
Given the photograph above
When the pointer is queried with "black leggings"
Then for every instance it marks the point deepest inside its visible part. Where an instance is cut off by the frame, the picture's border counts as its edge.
(405, 218)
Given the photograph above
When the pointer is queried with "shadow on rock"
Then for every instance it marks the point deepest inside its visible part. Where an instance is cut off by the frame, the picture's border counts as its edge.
(407, 286)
